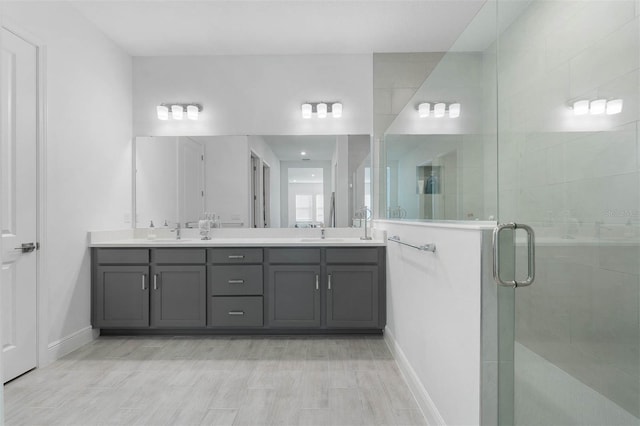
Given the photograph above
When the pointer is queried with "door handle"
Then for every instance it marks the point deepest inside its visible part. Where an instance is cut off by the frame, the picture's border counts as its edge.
(531, 255)
(144, 287)
(28, 247)
(329, 282)
(155, 281)
(317, 282)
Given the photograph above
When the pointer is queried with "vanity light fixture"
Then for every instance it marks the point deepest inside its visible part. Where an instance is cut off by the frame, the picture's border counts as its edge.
(178, 111)
(424, 109)
(454, 110)
(321, 109)
(614, 106)
(192, 112)
(581, 107)
(439, 110)
(597, 107)
(307, 110)
(163, 112)
(336, 109)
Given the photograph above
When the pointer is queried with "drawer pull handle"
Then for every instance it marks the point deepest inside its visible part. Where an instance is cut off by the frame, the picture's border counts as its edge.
(317, 282)
(155, 281)
(236, 312)
(144, 287)
(329, 282)
(236, 256)
(236, 281)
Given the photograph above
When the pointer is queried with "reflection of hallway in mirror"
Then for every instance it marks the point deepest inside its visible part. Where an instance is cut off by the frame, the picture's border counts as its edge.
(306, 198)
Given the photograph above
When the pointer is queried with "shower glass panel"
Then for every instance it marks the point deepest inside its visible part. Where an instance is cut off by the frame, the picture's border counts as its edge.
(569, 166)
(435, 116)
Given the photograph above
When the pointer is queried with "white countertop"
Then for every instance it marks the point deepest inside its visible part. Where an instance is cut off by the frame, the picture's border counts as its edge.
(335, 237)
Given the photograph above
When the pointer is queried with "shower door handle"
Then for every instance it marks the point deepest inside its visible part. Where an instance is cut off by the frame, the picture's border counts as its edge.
(531, 255)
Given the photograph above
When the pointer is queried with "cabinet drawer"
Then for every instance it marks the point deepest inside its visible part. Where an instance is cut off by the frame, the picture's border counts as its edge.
(294, 255)
(178, 255)
(235, 280)
(122, 256)
(235, 255)
(352, 255)
(236, 311)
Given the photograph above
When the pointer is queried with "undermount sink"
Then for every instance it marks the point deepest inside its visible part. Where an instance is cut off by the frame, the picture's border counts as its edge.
(321, 240)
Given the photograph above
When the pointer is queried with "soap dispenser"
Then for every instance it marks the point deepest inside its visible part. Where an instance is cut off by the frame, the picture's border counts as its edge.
(151, 233)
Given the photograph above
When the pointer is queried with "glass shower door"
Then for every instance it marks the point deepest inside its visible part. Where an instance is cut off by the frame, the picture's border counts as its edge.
(569, 167)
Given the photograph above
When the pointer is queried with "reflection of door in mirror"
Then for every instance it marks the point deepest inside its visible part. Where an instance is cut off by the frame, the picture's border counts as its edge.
(266, 195)
(255, 192)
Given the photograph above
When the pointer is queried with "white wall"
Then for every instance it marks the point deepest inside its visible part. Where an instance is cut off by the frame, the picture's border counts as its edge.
(433, 316)
(88, 158)
(227, 180)
(253, 95)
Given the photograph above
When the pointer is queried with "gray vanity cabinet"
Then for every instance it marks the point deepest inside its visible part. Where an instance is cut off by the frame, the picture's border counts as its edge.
(121, 296)
(178, 295)
(352, 296)
(294, 296)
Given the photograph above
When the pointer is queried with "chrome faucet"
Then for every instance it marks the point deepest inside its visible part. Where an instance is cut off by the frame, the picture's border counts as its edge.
(322, 233)
(178, 231)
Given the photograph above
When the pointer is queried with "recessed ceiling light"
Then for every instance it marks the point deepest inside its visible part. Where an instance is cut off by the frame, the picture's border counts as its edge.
(303, 153)
(312, 175)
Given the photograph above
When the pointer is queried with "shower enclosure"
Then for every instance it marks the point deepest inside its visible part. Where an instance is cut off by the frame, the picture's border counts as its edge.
(547, 136)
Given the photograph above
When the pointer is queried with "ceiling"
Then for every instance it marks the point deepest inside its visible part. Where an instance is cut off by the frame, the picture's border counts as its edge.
(288, 148)
(266, 27)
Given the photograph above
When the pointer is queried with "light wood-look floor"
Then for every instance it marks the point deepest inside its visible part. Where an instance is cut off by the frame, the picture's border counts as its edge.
(217, 381)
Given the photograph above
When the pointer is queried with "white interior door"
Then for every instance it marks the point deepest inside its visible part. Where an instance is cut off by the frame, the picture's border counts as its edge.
(19, 202)
(191, 180)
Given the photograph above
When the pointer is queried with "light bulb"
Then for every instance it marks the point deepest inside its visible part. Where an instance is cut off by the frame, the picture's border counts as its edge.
(614, 106)
(177, 112)
(580, 107)
(163, 112)
(336, 110)
(192, 112)
(322, 110)
(424, 109)
(438, 110)
(306, 109)
(598, 106)
(454, 110)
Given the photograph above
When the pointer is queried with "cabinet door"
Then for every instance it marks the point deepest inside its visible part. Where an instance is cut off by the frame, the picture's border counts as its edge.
(294, 296)
(179, 296)
(352, 296)
(122, 296)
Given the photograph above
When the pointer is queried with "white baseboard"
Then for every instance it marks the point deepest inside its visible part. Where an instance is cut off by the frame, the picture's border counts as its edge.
(70, 343)
(429, 409)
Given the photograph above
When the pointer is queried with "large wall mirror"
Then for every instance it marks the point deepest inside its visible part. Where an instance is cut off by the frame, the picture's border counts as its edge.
(252, 181)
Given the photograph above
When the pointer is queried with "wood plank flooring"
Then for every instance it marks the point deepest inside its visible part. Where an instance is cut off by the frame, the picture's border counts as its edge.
(332, 381)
